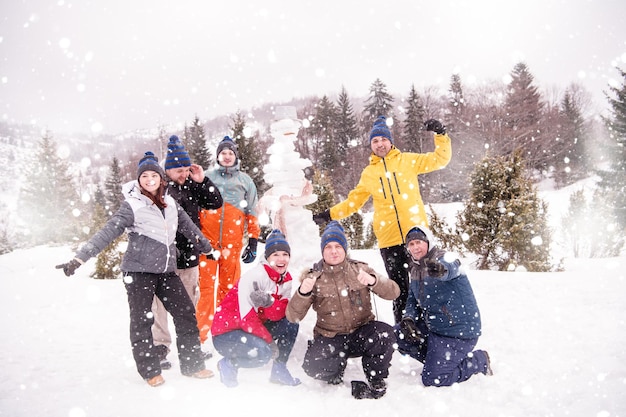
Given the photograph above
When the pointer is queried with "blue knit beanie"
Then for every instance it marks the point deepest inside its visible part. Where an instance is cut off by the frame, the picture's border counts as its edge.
(177, 156)
(380, 128)
(276, 241)
(334, 233)
(149, 162)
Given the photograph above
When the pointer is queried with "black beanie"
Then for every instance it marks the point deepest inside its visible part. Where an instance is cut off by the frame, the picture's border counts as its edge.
(227, 143)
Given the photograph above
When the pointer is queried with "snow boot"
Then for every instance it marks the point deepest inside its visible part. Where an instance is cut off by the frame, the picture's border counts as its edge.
(280, 375)
(376, 389)
(156, 381)
(488, 371)
(228, 373)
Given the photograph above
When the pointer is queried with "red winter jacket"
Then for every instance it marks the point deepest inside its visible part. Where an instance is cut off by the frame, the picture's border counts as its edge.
(236, 311)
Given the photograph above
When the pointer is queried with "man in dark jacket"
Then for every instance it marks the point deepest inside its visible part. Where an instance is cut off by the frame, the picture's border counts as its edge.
(442, 321)
(192, 191)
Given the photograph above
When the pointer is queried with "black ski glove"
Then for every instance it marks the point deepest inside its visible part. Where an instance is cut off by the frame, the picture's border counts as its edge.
(322, 218)
(434, 268)
(409, 329)
(249, 255)
(260, 298)
(433, 125)
(70, 267)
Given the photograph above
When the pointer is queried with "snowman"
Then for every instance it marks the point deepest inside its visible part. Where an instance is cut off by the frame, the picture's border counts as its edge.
(283, 204)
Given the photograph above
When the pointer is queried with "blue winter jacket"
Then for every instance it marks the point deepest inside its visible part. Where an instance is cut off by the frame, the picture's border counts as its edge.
(448, 304)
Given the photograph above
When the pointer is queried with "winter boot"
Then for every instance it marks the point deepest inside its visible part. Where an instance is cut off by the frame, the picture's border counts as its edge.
(360, 390)
(378, 387)
(280, 375)
(228, 373)
(488, 371)
(155, 381)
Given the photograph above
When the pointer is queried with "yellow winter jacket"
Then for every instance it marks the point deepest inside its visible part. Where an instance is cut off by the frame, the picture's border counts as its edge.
(392, 183)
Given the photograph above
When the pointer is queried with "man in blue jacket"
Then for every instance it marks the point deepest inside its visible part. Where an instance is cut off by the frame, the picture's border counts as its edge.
(442, 323)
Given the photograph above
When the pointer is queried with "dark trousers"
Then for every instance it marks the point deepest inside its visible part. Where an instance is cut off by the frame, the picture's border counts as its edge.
(396, 261)
(446, 359)
(326, 357)
(141, 289)
(246, 350)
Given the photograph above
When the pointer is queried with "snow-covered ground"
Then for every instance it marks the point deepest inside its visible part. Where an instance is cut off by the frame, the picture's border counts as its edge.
(557, 342)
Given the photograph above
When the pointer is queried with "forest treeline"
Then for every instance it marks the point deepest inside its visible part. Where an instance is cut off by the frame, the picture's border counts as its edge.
(554, 137)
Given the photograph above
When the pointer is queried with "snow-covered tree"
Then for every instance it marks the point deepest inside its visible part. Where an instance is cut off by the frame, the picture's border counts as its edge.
(49, 204)
(504, 221)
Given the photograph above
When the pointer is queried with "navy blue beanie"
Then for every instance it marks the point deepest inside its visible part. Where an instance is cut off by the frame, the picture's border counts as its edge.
(149, 162)
(276, 241)
(334, 233)
(177, 156)
(416, 233)
(380, 128)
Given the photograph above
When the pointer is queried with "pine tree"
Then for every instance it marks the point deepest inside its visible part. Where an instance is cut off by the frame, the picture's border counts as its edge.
(414, 135)
(523, 108)
(49, 203)
(113, 186)
(195, 143)
(108, 261)
(504, 221)
(348, 143)
(570, 156)
(323, 188)
(323, 130)
(613, 185)
(250, 157)
(457, 106)
(379, 103)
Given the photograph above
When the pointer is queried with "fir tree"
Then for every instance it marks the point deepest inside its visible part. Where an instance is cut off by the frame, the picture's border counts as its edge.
(613, 185)
(348, 143)
(523, 108)
(414, 135)
(379, 103)
(323, 130)
(49, 203)
(195, 143)
(250, 157)
(504, 221)
(456, 104)
(113, 187)
(108, 261)
(323, 188)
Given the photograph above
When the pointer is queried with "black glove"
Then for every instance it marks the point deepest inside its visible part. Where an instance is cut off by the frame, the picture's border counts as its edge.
(433, 125)
(70, 267)
(409, 329)
(322, 218)
(249, 255)
(260, 298)
(434, 268)
(214, 255)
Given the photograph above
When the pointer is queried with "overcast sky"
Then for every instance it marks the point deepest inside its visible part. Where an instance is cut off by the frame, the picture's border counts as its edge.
(115, 65)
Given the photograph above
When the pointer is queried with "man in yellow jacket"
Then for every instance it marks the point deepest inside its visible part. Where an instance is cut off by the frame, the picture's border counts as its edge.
(391, 180)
